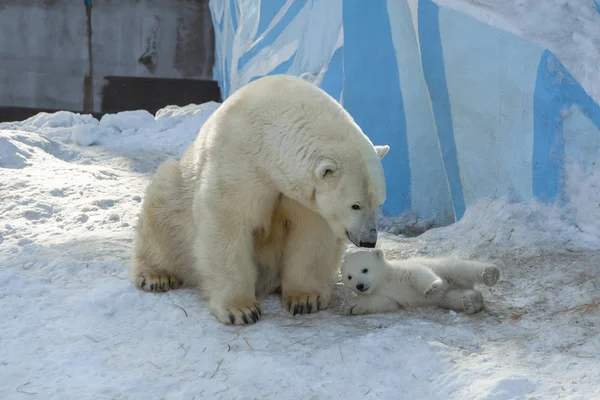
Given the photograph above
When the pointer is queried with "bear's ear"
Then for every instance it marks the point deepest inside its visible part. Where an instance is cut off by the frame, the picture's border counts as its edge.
(382, 150)
(325, 168)
(378, 253)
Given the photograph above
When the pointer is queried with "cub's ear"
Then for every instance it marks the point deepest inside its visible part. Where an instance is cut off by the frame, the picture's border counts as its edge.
(378, 253)
(382, 150)
(325, 168)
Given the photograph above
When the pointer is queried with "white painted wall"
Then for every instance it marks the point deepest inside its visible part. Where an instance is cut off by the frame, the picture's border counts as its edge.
(491, 79)
(478, 110)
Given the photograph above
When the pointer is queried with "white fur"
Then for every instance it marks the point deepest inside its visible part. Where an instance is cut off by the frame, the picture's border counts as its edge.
(263, 199)
(384, 285)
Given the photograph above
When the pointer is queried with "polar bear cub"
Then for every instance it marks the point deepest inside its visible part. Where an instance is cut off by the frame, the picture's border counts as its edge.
(383, 285)
(278, 179)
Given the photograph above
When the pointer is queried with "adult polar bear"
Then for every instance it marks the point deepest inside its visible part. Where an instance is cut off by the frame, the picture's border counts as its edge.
(278, 178)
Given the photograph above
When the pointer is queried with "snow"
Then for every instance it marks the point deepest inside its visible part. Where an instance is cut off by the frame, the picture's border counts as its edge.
(74, 326)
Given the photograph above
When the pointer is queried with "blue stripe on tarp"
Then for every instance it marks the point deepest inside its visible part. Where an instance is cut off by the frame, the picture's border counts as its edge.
(432, 59)
(372, 92)
(282, 68)
(234, 14)
(555, 91)
(268, 10)
(333, 81)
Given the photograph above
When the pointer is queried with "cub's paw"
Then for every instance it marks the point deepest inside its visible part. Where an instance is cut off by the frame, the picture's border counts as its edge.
(352, 308)
(433, 288)
(158, 283)
(472, 302)
(490, 275)
(304, 303)
(244, 314)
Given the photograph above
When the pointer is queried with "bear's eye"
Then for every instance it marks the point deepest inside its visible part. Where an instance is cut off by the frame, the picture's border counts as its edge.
(364, 271)
(355, 207)
(349, 277)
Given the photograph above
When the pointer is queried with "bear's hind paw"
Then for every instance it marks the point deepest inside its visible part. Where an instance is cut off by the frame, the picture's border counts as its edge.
(490, 276)
(303, 303)
(472, 302)
(157, 283)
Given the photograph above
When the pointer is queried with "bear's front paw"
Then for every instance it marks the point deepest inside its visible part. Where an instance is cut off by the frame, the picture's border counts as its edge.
(245, 314)
(490, 275)
(303, 303)
(352, 308)
(433, 288)
(158, 283)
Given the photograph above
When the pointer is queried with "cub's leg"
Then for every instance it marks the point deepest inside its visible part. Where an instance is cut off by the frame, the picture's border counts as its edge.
(311, 257)
(161, 257)
(466, 273)
(370, 304)
(469, 301)
(423, 279)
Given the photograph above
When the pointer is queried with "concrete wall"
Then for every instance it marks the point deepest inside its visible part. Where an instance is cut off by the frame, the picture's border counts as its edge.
(44, 52)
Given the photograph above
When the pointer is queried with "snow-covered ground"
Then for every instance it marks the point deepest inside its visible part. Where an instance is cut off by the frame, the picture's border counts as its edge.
(73, 327)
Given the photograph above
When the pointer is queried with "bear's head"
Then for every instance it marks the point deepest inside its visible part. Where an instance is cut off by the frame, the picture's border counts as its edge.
(349, 190)
(363, 271)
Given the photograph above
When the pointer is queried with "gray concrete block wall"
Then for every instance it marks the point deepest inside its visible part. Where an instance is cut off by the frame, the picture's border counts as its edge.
(44, 53)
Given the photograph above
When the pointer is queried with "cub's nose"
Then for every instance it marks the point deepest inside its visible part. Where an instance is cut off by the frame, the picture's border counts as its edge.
(360, 287)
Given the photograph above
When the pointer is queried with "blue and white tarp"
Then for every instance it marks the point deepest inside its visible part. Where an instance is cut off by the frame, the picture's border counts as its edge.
(469, 111)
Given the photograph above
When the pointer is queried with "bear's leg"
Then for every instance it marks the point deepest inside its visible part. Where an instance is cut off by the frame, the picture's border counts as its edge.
(161, 257)
(225, 259)
(370, 304)
(301, 292)
(469, 301)
(311, 257)
(425, 280)
(466, 273)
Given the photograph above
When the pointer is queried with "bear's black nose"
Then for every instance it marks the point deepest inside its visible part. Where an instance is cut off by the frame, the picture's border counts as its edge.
(369, 245)
(360, 287)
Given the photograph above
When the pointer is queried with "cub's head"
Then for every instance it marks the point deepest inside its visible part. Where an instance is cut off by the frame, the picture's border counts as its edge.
(363, 271)
(349, 190)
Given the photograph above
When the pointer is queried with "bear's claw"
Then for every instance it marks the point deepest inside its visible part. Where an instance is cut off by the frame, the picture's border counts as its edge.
(302, 304)
(240, 315)
(158, 283)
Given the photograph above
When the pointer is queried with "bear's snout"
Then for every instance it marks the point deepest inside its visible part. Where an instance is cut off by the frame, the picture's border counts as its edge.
(361, 287)
(368, 245)
(368, 235)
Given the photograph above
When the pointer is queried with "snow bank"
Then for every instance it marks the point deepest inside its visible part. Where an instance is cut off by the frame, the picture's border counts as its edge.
(478, 99)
